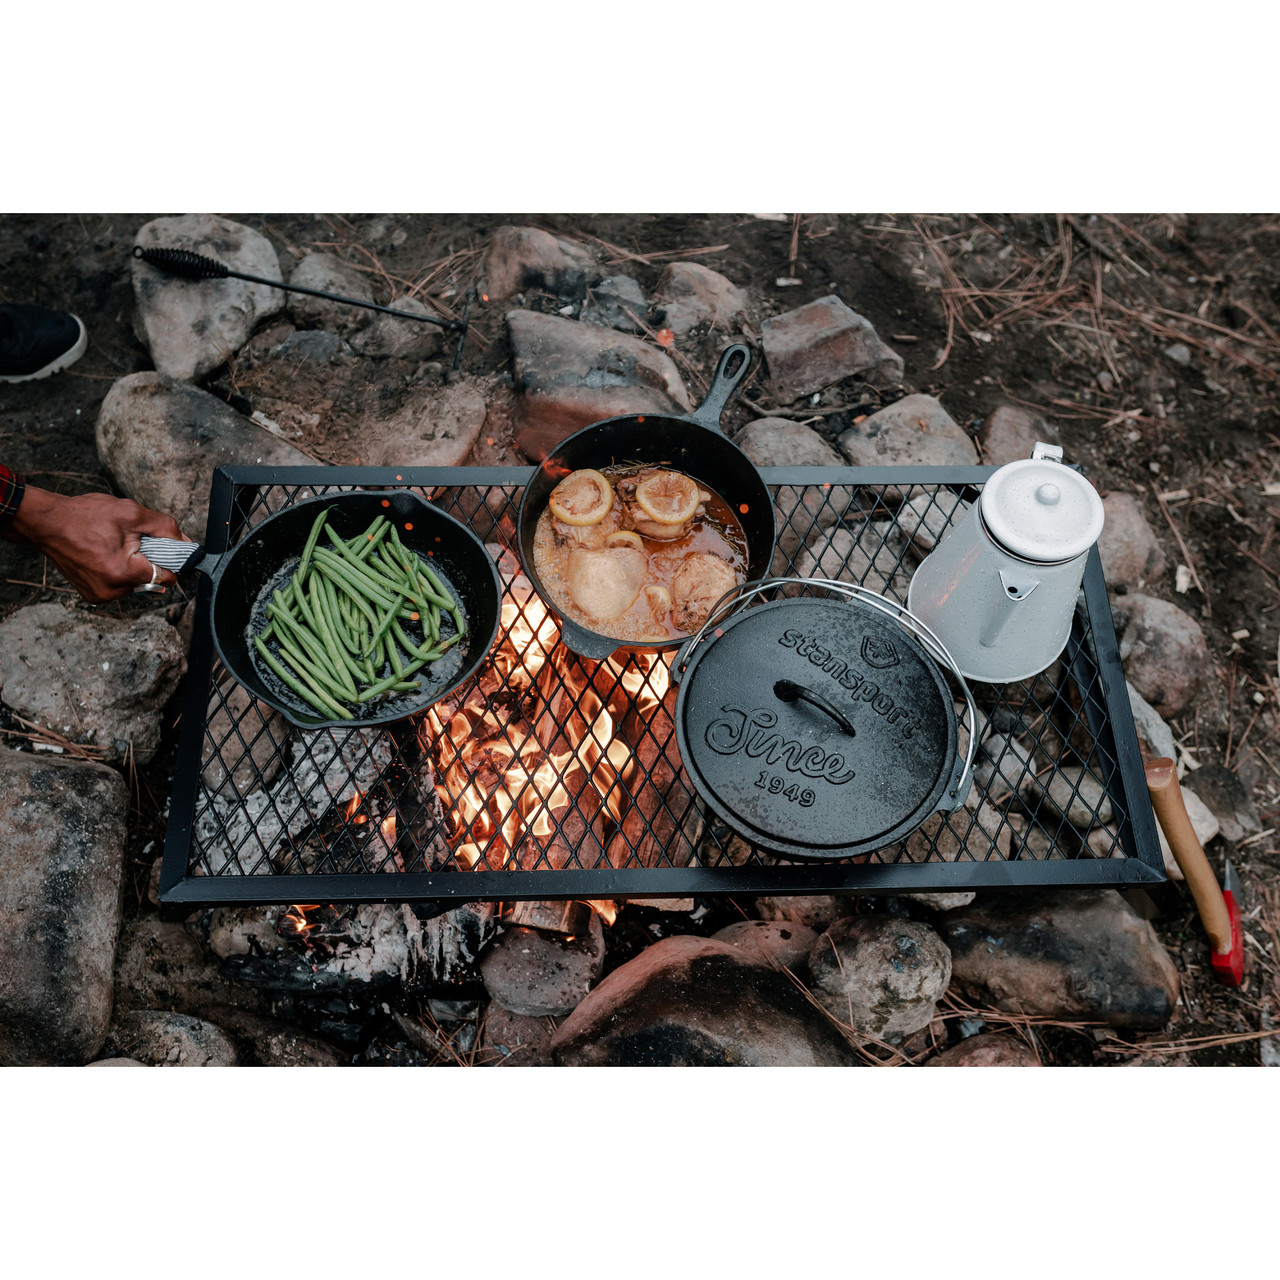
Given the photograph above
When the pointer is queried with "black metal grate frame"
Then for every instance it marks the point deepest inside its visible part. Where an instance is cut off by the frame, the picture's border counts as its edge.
(259, 815)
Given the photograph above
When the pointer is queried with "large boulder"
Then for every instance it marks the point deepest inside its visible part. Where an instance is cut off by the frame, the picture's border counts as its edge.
(617, 302)
(61, 873)
(538, 974)
(689, 1001)
(520, 258)
(818, 344)
(798, 512)
(1078, 955)
(193, 326)
(387, 336)
(880, 976)
(1011, 433)
(160, 440)
(1131, 554)
(689, 294)
(435, 427)
(1163, 650)
(91, 676)
(915, 431)
(160, 1039)
(771, 942)
(332, 275)
(570, 375)
(998, 1050)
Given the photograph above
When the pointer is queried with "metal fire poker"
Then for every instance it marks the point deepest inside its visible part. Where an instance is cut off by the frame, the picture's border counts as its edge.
(194, 266)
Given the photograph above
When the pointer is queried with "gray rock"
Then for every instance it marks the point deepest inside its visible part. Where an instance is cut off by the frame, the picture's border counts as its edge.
(1163, 651)
(928, 516)
(1155, 738)
(570, 375)
(323, 271)
(266, 1042)
(1010, 433)
(1075, 793)
(248, 739)
(1131, 555)
(942, 901)
(976, 830)
(535, 973)
(813, 911)
(915, 431)
(116, 1062)
(513, 1040)
(770, 942)
(610, 301)
(520, 258)
(865, 556)
(193, 326)
(1075, 955)
(160, 1039)
(1227, 799)
(61, 874)
(387, 336)
(818, 344)
(314, 346)
(798, 513)
(435, 427)
(999, 1049)
(689, 1001)
(879, 976)
(689, 294)
(161, 439)
(160, 964)
(92, 676)
(1179, 353)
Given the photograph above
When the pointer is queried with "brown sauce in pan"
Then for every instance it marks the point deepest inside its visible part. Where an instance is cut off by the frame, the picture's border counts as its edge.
(713, 531)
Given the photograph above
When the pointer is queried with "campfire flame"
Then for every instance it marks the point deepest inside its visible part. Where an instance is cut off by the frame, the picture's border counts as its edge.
(296, 919)
(502, 787)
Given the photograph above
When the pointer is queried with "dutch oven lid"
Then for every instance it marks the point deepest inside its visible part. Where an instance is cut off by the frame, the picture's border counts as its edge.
(816, 727)
(1042, 510)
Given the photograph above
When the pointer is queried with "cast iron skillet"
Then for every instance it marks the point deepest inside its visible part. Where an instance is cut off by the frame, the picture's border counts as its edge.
(693, 444)
(240, 575)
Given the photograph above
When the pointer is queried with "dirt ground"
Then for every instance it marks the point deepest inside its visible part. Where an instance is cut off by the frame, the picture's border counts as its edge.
(1071, 316)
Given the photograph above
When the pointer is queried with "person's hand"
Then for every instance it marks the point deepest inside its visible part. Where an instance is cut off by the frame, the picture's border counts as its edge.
(94, 539)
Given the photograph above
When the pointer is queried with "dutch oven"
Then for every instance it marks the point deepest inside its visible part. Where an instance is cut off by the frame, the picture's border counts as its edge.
(821, 727)
(693, 444)
(244, 576)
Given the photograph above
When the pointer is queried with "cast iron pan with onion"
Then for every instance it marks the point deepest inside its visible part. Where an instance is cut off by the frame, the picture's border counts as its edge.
(693, 444)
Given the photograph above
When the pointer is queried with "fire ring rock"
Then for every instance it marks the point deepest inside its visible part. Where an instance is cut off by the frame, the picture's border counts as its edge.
(160, 1039)
(770, 942)
(61, 871)
(881, 976)
(536, 974)
(91, 676)
(192, 326)
(695, 1002)
(995, 1050)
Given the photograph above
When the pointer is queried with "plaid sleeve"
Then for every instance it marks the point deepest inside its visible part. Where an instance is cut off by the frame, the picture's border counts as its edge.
(11, 490)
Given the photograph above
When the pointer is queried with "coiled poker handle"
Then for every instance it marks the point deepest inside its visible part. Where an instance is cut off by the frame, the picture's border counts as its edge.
(182, 262)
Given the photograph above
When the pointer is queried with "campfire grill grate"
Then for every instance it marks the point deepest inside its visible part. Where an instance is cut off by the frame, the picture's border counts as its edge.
(258, 816)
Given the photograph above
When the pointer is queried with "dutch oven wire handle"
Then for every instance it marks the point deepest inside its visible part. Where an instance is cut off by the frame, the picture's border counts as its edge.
(731, 372)
(734, 601)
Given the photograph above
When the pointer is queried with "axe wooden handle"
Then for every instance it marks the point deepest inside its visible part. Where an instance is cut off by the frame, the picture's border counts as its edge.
(1166, 800)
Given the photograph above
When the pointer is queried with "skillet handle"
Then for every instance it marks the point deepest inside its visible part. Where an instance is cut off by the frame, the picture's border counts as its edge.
(178, 556)
(723, 385)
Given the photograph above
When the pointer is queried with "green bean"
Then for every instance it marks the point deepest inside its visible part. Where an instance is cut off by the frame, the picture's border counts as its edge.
(340, 571)
(332, 647)
(360, 568)
(309, 667)
(312, 696)
(373, 537)
(302, 639)
(347, 653)
(381, 687)
(301, 573)
(393, 656)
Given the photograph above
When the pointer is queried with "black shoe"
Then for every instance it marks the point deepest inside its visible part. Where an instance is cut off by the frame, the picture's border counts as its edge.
(35, 342)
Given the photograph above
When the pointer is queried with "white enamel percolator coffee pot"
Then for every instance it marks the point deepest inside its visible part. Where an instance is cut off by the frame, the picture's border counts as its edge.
(1000, 589)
